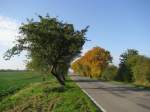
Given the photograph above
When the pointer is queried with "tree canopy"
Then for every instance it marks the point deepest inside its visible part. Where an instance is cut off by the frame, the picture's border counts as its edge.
(93, 62)
(51, 45)
(124, 71)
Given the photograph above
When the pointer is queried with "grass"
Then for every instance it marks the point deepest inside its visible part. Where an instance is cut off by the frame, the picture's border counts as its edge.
(12, 81)
(19, 78)
(46, 97)
(130, 84)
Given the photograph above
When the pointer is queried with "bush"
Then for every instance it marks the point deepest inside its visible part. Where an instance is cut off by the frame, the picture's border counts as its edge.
(141, 70)
(136, 68)
(109, 73)
(124, 73)
(126, 63)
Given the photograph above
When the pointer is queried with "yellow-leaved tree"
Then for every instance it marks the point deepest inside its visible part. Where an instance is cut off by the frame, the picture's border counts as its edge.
(93, 62)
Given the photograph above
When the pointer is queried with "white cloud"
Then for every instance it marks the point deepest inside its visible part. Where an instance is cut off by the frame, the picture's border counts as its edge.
(8, 30)
(8, 33)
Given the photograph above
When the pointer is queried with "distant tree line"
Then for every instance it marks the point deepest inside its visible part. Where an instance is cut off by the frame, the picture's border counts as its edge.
(10, 70)
(133, 67)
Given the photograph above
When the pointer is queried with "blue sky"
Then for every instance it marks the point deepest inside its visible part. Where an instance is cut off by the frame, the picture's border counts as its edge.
(115, 25)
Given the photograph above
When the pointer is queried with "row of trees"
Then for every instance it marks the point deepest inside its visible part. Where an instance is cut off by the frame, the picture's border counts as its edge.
(133, 67)
(52, 45)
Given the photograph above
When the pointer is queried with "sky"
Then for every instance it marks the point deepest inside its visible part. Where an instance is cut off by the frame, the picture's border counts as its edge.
(115, 25)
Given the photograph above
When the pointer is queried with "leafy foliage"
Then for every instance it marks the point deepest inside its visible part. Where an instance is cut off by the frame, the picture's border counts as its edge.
(110, 73)
(93, 63)
(141, 69)
(134, 68)
(125, 72)
(51, 45)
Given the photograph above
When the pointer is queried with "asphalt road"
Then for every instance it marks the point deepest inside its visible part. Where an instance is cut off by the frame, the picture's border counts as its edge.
(115, 97)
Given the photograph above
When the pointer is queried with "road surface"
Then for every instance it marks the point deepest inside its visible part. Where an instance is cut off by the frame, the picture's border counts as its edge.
(115, 97)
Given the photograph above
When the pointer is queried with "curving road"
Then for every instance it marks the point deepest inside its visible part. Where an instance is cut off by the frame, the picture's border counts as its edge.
(115, 97)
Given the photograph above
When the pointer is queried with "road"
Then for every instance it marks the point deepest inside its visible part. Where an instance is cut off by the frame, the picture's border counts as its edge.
(115, 97)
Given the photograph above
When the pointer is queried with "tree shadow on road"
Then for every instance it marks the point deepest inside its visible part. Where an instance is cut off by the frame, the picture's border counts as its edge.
(112, 88)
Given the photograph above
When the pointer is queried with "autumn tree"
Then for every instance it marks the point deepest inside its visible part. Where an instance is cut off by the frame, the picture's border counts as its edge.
(93, 62)
(51, 45)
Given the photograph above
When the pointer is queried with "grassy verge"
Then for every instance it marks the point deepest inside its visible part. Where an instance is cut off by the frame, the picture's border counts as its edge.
(12, 81)
(47, 97)
(134, 84)
(130, 84)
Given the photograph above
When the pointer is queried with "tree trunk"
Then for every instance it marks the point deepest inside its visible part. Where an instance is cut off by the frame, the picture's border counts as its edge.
(63, 76)
(60, 79)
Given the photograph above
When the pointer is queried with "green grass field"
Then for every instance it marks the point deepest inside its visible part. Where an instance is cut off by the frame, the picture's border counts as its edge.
(8, 79)
(12, 81)
(35, 95)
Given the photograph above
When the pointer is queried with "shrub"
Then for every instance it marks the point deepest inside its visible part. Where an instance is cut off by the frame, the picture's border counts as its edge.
(125, 72)
(135, 68)
(110, 73)
(141, 70)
